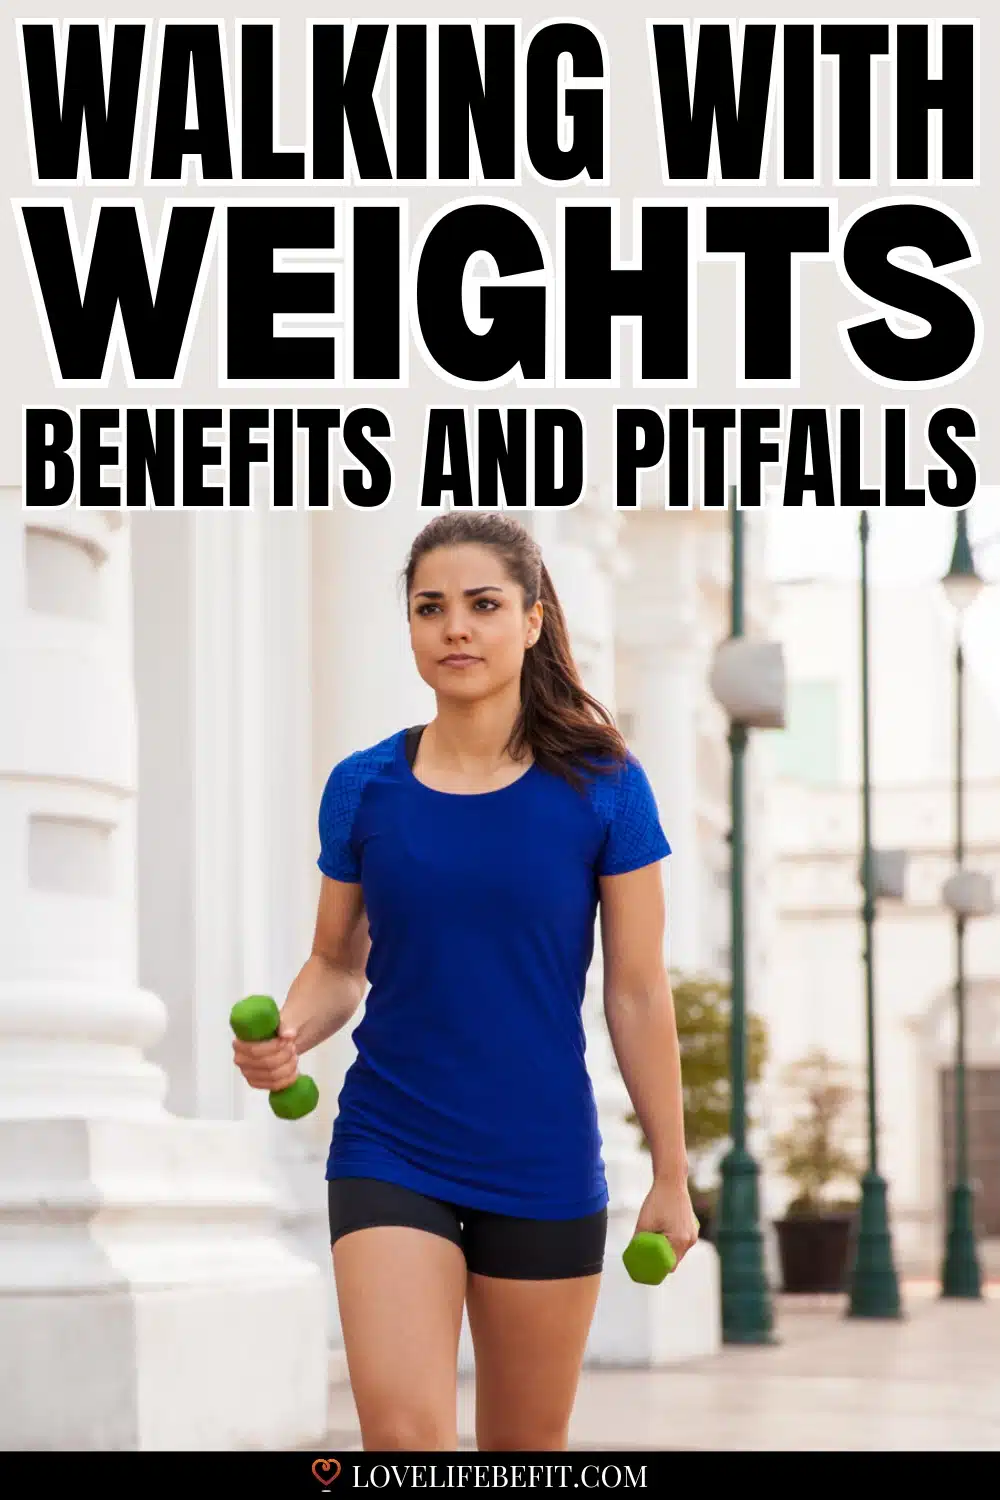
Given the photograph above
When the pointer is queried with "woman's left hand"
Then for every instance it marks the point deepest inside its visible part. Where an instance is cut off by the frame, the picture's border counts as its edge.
(667, 1210)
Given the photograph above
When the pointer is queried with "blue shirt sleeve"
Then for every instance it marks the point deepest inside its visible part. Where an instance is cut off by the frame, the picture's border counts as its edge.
(634, 837)
(338, 857)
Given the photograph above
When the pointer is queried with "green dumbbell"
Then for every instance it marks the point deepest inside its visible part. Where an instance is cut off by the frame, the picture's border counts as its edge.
(649, 1257)
(256, 1019)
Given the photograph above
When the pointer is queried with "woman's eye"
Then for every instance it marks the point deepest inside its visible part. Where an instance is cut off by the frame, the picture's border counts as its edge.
(491, 604)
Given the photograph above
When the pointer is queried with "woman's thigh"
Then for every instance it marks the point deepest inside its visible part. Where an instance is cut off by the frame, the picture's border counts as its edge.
(400, 1289)
(531, 1303)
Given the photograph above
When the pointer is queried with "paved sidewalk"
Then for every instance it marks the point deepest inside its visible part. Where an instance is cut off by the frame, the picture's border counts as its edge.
(930, 1382)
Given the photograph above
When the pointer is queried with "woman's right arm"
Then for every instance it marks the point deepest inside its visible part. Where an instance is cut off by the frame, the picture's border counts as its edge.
(324, 995)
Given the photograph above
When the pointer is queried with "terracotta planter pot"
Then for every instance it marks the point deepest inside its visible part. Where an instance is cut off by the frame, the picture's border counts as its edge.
(815, 1252)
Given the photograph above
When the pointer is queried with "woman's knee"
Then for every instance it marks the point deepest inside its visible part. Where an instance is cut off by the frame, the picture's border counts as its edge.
(524, 1437)
(413, 1431)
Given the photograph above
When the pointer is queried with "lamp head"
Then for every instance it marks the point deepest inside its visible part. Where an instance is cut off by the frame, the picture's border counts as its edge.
(961, 582)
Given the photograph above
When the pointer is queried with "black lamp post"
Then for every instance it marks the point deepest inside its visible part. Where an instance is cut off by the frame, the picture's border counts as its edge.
(961, 1274)
(874, 1286)
(748, 680)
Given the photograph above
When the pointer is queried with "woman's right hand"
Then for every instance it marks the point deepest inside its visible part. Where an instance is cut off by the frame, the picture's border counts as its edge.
(270, 1065)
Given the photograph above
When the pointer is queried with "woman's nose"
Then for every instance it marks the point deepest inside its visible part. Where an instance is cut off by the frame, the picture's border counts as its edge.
(456, 625)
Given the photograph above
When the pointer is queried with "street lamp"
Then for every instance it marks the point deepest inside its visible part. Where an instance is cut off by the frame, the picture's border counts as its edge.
(966, 894)
(874, 1286)
(748, 680)
(961, 583)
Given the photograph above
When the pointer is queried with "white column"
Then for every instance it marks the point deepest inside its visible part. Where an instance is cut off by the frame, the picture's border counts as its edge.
(136, 1247)
(364, 686)
(581, 553)
(630, 1326)
(249, 839)
(73, 1021)
(656, 621)
(272, 857)
(582, 556)
(666, 742)
(658, 626)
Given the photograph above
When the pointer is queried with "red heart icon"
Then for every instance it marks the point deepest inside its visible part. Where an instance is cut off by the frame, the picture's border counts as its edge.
(326, 1465)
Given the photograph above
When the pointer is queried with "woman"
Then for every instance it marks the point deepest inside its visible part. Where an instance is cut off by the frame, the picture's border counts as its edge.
(463, 865)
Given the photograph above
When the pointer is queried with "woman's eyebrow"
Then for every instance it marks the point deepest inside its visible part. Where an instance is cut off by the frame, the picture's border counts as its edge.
(483, 588)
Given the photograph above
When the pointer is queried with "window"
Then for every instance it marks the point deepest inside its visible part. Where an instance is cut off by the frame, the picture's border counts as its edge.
(807, 748)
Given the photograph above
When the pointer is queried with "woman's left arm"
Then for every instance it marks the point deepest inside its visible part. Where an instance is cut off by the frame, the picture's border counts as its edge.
(639, 1008)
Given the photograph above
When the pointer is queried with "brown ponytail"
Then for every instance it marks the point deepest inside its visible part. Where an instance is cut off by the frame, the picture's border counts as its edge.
(566, 728)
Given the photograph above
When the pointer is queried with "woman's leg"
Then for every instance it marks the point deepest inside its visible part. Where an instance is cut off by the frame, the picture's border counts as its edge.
(400, 1291)
(531, 1295)
(529, 1338)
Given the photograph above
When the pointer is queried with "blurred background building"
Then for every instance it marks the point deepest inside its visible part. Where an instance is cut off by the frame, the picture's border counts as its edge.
(815, 997)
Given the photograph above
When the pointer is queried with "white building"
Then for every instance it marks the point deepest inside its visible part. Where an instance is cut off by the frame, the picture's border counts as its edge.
(181, 684)
(816, 993)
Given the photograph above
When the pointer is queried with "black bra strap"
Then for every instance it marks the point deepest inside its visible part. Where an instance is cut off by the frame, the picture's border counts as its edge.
(412, 741)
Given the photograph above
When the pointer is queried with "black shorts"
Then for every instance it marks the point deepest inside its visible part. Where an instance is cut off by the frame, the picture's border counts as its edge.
(493, 1244)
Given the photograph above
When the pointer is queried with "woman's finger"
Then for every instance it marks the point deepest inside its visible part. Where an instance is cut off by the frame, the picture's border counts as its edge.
(278, 1055)
(273, 1047)
(269, 1078)
(278, 1069)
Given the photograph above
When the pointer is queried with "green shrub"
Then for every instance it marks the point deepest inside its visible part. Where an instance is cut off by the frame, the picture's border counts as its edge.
(702, 1009)
(816, 1151)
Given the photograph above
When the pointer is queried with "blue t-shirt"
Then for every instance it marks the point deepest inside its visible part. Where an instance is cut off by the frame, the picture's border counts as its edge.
(470, 1082)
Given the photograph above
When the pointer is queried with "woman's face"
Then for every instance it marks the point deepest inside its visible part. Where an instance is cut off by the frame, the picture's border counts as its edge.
(468, 625)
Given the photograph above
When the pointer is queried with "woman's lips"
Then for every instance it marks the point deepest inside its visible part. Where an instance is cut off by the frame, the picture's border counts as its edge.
(460, 661)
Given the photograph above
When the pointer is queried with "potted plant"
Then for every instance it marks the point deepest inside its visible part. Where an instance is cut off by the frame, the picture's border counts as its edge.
(816, 1154)
(701, 1006)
